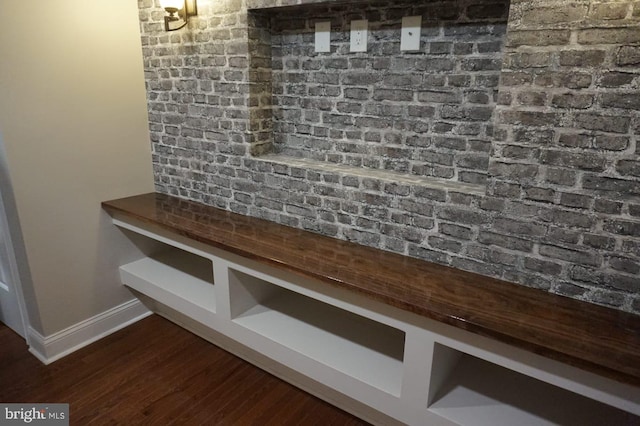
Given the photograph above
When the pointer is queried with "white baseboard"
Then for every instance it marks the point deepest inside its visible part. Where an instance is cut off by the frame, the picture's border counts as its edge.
(51, 348)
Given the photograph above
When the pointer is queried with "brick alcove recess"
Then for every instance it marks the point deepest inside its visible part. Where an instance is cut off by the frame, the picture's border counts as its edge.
(423, 113)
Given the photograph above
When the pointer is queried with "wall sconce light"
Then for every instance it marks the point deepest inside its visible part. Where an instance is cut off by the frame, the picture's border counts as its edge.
(179, 12)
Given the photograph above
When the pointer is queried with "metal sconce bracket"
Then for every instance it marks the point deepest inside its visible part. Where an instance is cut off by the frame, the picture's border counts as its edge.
(173, 22)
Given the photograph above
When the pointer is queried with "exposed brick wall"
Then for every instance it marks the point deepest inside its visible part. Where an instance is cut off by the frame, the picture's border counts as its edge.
(566, 151)
(561, 208)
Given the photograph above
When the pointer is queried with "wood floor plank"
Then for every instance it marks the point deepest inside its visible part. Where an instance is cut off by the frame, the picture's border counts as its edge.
(154, 372)
(129, 370)
(154, 386)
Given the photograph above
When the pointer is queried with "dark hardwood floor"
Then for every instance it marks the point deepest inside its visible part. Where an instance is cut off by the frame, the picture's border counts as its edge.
(154, 372)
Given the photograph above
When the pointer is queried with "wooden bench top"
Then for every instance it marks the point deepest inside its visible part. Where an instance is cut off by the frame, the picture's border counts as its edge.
(595, 338)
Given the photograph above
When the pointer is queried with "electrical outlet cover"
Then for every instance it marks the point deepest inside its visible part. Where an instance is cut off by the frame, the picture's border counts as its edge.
(359, 30)
(411, 30)
(323, 36)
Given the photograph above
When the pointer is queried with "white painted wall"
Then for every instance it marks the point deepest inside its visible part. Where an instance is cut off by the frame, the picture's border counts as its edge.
(73, 116)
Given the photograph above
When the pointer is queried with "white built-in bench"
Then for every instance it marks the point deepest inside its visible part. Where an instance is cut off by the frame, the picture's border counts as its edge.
(389, 338)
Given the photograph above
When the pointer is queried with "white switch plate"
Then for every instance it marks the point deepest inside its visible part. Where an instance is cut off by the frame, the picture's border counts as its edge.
(359, 30)
(411, 30)
(323, 36)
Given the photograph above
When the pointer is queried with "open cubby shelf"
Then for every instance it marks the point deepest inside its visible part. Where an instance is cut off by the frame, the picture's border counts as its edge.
(359, 347)
(177, 278)
(482, 393)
